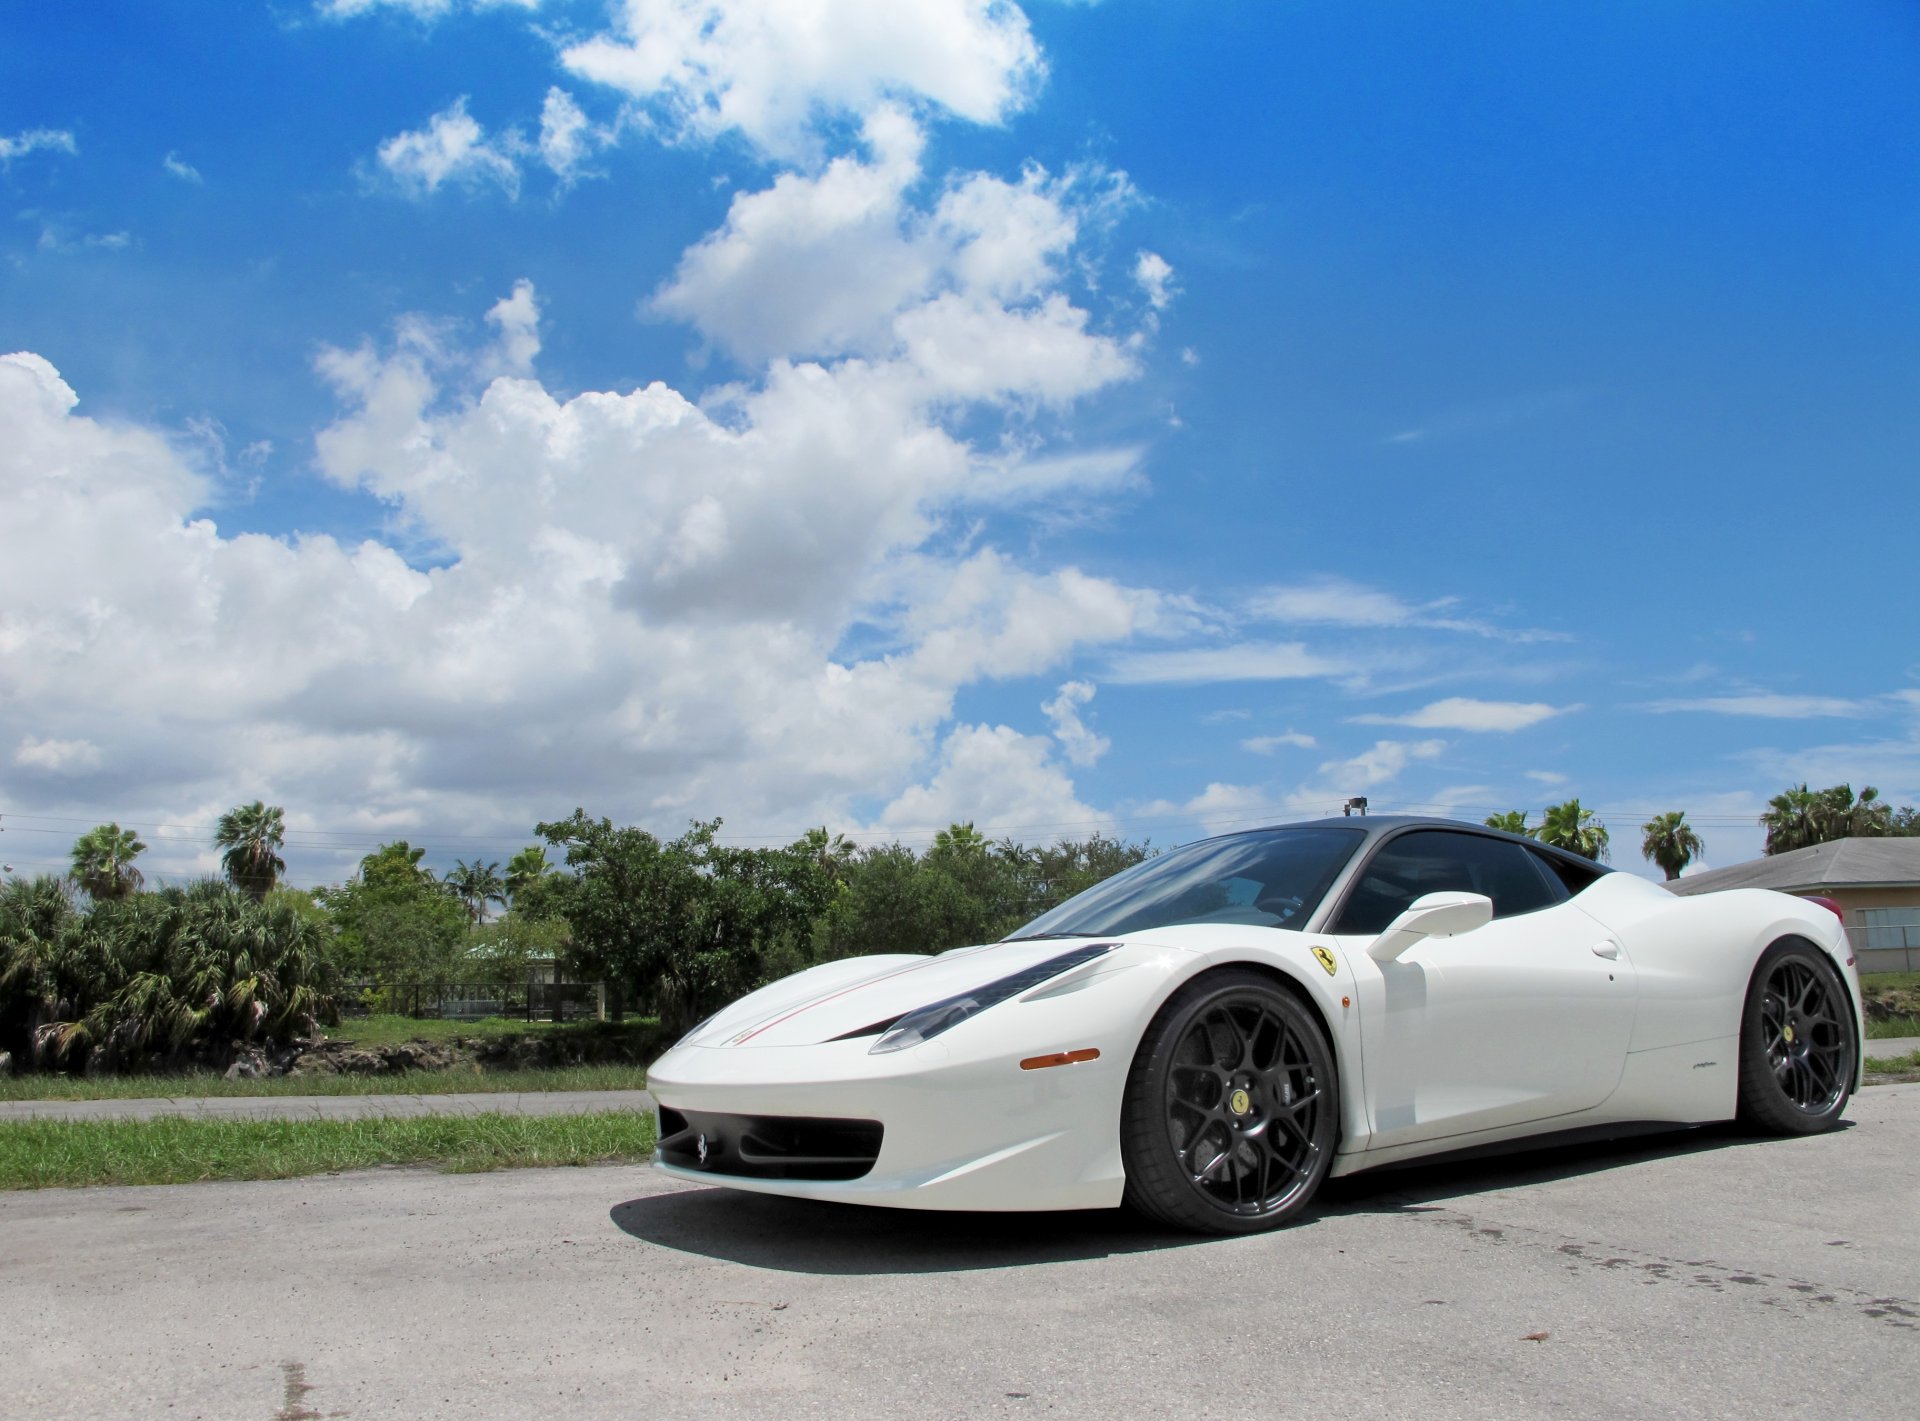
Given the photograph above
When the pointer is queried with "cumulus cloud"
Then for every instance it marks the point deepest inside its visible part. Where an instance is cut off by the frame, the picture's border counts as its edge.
(35, 140)
(991, 775)
(843, 262)
(1464, 713)
(452, 148)
(639, 600)
(774, 71)
(1080, 745)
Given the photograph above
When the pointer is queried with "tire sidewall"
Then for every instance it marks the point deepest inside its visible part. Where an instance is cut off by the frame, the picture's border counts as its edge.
(1762, 1102)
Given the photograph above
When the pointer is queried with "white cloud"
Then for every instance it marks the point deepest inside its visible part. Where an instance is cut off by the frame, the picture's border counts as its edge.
(1767, 705)
(1216, 809)
(1338, 602)
(178, 167)
(452, 148)
(1249, 661)
(641, 604)
(567, 136)
(35, 140)
(1338, 780)
(1464, 713)
(58, 756)
(1080, 745)
(1550, 778)
(419, 9)
(841, 262)
(991, 776)
(1267, 744)
(774, 71)
(1155, 277)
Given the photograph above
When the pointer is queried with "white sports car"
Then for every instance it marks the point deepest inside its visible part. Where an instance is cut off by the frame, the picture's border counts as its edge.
(1209, 1034)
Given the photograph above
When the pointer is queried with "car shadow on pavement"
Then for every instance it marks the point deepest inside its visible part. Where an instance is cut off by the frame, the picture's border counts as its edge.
(1422, 1182)
(807, 1236)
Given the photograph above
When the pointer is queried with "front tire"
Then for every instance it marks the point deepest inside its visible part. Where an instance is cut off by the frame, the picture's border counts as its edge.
(1798, 1051)
(1232, 1108)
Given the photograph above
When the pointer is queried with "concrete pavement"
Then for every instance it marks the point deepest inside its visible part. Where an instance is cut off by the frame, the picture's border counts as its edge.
(1699, 1275)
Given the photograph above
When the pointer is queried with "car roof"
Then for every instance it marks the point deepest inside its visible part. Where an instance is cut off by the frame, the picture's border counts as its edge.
(1379, 826)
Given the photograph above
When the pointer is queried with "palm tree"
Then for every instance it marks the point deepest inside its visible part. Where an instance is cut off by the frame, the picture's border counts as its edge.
(525, 868)
(103, 862)
(252, 834)
(832, 854)
(1670, 843)
(1514, 821)
(1868, 817)
(1792, 820)
(476, 885)
(1568, 826)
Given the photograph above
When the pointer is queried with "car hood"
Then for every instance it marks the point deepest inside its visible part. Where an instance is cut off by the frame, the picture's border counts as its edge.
(842, 998)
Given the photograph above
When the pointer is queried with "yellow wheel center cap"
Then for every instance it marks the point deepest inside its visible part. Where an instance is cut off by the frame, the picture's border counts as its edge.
(1240, 1102)
(1789, 1033)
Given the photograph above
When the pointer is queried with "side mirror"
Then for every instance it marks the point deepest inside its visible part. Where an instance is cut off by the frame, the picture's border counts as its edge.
(1434, 915)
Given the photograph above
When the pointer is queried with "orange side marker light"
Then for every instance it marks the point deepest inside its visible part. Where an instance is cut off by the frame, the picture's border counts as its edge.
(1061, 1058)
(1346, 1001)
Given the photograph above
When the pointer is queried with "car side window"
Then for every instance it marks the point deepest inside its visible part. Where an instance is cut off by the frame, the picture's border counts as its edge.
(1441, 861)
(1571, 876)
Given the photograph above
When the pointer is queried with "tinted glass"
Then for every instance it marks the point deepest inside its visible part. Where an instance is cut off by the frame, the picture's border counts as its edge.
(1438, 861)
(1272, 878)
(1573, 876)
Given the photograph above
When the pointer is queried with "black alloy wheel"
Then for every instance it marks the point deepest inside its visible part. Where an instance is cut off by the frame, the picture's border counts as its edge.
(1232, 1107)
(1798, 1051)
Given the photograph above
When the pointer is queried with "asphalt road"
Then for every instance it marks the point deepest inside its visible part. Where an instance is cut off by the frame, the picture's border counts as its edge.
(1701, 1276)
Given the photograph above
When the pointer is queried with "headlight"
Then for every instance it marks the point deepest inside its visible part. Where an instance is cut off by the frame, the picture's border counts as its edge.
(928, 1022)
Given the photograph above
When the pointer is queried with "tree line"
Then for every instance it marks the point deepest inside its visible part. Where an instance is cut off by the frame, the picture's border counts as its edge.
(98, 972)
(1796, 818)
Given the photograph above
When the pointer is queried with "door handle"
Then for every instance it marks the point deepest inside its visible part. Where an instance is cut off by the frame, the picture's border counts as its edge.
(1608, 949)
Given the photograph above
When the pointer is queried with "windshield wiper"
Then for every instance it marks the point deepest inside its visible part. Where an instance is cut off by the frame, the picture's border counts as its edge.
(1045, 937)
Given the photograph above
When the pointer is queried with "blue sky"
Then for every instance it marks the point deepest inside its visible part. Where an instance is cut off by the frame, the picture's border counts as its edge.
(430, 415)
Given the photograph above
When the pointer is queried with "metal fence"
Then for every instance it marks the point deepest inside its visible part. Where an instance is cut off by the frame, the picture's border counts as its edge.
(1893, 949)
(470, 1001)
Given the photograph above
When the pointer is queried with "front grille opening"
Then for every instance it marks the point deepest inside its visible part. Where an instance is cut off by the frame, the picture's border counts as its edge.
(768, 1146)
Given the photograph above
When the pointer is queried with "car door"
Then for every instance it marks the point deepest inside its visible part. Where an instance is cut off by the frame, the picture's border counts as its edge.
(1524, 1019)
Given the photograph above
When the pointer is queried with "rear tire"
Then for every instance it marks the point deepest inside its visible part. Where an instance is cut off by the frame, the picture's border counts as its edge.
(1799, 1053)
(1232, 1108)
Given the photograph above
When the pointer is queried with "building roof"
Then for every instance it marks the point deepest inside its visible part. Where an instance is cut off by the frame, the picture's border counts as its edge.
(1843, 863)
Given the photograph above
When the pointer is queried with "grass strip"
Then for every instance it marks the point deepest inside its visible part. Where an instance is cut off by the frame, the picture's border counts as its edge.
(1886, 1065)
(204, 1084)
(390, 1030)
(1888, 1028)
(42, 1154)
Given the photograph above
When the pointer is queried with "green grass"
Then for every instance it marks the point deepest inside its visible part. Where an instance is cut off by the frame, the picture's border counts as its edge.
(1889, 1027)
(43, 1154)
(1881, 1066)
(1891, 981)
(395, 1030)
(206, 1083)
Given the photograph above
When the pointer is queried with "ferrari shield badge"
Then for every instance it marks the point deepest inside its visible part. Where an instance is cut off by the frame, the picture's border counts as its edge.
(1325, 959)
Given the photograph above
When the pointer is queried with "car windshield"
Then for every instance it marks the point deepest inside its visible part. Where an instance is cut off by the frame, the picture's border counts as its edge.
(1270, 878)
